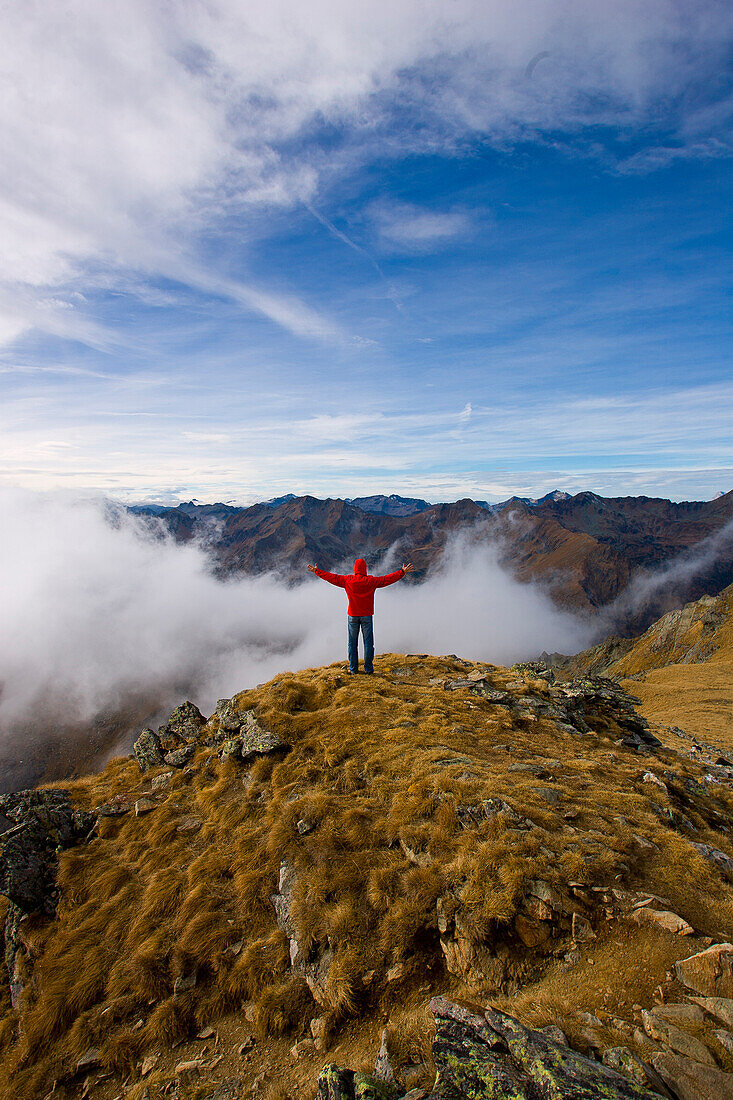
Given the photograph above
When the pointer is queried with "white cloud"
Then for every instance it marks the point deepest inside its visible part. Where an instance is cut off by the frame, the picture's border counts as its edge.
(97, 615)
(127, 130)
(136, 443)
(408, 228)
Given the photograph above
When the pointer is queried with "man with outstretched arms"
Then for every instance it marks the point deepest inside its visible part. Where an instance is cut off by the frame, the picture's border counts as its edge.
(360, 588)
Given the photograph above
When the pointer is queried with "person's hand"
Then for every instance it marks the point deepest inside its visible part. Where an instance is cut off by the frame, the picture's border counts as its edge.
(312, 568)
(407, 568)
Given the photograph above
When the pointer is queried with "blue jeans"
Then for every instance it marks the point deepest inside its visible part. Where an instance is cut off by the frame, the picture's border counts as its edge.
(365, 623)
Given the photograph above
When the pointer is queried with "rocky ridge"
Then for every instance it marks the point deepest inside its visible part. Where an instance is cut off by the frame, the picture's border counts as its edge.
(35, 826)
(689, 635)
(321, 849)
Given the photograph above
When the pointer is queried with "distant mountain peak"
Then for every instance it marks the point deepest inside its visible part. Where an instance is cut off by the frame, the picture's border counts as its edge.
(556, 495)
(553, 497)
(275, 502)
(392, 505)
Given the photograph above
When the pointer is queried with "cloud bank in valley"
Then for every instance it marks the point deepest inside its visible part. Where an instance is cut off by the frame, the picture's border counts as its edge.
(654, 592)
(99, 609)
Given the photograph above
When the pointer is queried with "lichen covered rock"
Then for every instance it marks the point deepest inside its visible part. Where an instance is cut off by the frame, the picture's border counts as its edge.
(335, 1083)
(178, 758)
(493, 1057)
(148, 751)
(186, 722)
(36, 826)
(257, 741)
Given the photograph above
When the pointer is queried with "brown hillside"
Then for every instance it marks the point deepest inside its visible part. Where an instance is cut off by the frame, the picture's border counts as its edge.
(585, 548)
(442, 826)
(681, 668)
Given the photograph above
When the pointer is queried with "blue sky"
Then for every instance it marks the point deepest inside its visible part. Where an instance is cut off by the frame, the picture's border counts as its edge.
(440, 249)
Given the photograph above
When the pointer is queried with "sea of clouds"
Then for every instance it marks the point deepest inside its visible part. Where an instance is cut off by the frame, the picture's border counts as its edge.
(100, 607)
(104, 614)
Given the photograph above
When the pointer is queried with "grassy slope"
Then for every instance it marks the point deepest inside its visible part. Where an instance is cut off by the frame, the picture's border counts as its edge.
(681, 669)
(377, 767)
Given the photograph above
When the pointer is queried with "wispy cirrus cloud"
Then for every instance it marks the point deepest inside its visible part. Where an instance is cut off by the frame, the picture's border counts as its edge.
(132, 133)
(409, 228)
(479, 450)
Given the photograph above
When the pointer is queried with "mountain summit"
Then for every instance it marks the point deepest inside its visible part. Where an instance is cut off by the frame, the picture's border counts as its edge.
(267, 890)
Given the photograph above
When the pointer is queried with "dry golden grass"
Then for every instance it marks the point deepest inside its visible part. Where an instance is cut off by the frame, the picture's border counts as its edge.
(681, 669)
(378, 770)
(695, 698)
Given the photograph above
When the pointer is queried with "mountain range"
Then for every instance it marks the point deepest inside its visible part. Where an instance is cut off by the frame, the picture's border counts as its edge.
(586, 549)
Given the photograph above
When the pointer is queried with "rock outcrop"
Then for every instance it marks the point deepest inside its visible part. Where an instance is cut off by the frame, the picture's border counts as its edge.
(35, 826)
(484, 1054)
(313, 964)
(710, 972)
(174, 743)
(238, 734)
(580, 706)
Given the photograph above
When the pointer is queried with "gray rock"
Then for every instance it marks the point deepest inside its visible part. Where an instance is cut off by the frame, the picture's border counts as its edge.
(383, 1070)
(231, 749)
(257, 741)
(691, 1081)
(116, 806)
(147, 750)
(680, 1014)
(589, 697)
(186, 722)
(90, 1059)
(725, 1038)
(552, 1031)
(719, 859)
(676, 1039)
(15, 953)
(539, 771)
(335, 1083)
(162, 780)
(230, 717)
(315, 964)
(34, 827)
(283, 899)
(231, 1089)
(184, 983)
(548, 794)
(623, 1061)
(719, 1007)
(483, 688)
(664, 919)
(474, 814)
(710, 972)
(178, 758)
(492, 1056)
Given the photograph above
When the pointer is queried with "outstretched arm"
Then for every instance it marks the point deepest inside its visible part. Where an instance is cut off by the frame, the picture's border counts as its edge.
(390, 578)
(332, 578)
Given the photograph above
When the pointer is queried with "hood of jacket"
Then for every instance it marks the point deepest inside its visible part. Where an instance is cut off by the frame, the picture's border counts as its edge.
(360, 567)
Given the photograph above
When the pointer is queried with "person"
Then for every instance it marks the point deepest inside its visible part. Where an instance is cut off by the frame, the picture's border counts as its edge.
(360, 588)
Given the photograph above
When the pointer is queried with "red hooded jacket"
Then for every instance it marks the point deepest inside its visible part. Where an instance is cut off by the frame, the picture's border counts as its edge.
(360, 586)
